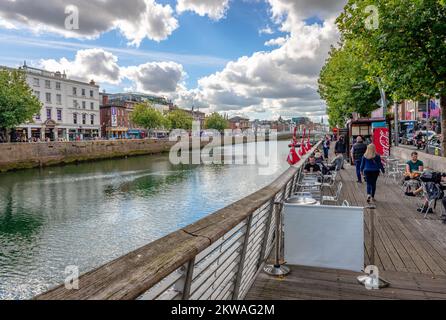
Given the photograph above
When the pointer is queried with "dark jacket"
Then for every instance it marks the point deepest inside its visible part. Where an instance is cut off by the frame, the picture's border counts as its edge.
(375, 165)
(359, 150)
(340, 147)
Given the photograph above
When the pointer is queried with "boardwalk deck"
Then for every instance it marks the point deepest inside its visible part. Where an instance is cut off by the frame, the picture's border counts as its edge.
(410, 253)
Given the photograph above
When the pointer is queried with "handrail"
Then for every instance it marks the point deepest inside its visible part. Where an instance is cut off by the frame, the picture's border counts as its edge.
(217, 257)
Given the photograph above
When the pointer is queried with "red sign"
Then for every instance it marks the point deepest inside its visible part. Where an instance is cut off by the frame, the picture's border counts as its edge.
(381, 140)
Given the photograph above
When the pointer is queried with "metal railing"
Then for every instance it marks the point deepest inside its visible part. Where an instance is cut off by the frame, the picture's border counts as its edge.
(217, 258)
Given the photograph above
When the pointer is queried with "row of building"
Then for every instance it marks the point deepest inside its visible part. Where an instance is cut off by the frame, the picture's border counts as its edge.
(74, 110)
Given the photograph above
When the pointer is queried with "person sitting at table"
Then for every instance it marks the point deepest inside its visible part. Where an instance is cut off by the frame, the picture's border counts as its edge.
(312, 166)
(319, 158)
(413, 167)
(441, 187)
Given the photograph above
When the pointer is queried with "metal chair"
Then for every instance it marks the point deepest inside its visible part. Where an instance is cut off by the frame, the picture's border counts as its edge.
(431, 202)
(330, 180)
(334, 199)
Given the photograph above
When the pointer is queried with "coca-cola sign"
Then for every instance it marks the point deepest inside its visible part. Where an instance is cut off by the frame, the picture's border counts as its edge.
(381, 139)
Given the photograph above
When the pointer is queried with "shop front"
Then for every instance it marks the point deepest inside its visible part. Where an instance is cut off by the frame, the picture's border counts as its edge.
(117, 133)
(136, 134)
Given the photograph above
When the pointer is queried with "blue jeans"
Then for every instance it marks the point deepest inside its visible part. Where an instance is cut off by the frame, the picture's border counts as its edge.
(372, 178)
(326, 153)
(358, 169)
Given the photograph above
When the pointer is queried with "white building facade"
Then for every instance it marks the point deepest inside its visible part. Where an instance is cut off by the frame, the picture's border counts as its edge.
(70, 109)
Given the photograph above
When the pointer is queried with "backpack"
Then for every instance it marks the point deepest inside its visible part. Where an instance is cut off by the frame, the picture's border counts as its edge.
(431, 176)
(434, 191)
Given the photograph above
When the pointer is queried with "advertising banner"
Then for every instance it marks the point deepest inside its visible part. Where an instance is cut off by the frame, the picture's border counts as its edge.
(114, 117)
(381, 140)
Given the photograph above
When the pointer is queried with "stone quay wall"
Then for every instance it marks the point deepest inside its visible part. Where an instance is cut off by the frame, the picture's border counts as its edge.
(15, 156)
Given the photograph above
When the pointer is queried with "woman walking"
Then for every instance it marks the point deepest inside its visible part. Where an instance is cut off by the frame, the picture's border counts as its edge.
(371, 165)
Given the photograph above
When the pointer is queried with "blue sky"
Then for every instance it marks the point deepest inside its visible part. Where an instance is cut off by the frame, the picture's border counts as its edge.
(175, 49)
(221, 41)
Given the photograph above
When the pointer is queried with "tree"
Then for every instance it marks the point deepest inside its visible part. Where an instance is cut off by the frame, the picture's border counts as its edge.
(407, 48)
(179, 119)
(217, 122)
(145, 116)
(344, 85)
(18, 104)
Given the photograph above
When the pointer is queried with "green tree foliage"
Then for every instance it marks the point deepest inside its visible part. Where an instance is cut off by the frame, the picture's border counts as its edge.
(18, 104)
(179, 119)
(217, 122)
(408, 47)
(145, 116)
(344, 85)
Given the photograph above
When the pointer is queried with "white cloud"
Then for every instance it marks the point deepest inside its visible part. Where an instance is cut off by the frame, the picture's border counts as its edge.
(214, 9)
(161, 78)
(136, 21)
(266, 30)
(276, 42)
(90, 64)
(282, 81)
(156, 77)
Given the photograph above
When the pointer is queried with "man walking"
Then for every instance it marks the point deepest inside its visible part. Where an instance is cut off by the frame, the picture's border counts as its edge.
(358, 151)
(341, 148)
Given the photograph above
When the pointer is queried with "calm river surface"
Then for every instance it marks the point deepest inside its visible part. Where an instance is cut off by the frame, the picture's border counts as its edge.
(89, 214)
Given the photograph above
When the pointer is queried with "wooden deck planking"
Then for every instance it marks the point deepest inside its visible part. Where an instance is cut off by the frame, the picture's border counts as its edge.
(410, 252)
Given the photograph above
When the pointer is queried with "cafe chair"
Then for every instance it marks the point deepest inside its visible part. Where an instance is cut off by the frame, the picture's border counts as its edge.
(334, 199)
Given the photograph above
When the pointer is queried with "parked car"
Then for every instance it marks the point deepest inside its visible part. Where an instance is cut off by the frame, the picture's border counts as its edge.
(434, 146)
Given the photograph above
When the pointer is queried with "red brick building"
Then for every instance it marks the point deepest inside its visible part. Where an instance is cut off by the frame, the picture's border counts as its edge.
(114, 119)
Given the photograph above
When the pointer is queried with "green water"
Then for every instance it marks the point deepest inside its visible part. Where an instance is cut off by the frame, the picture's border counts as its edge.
(89, 214)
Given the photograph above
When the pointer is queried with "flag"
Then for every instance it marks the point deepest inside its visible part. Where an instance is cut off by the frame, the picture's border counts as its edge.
(435, 108)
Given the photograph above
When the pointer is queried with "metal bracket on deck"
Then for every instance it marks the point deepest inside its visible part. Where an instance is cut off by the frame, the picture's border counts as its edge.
(371, 280)
(277, 269)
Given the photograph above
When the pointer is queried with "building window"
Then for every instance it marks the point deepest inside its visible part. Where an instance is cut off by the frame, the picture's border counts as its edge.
(84, 105)
(75, 104)
(37, 94)
(83, 92)
(48, 113)
(48, 97)
(59, 115)
(59, 99)
(92, 119)
(84, 119)
(74, 91)
(92, 105)
(75, 118)
(57, 85)
(48, 84)
(36, 82)
(91, 94)
(37, 116)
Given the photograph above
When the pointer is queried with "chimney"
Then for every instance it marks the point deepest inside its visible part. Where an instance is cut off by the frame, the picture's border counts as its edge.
(104, 99)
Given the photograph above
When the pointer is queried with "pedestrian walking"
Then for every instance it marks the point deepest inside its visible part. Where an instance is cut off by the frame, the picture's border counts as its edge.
(371, 165)
(357, 153)
(341, 148)
(326, 147)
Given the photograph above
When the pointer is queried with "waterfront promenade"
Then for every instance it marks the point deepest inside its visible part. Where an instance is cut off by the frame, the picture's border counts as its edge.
(222, 256)
(410, 253)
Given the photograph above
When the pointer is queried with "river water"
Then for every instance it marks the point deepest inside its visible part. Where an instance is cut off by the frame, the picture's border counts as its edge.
(89, 214)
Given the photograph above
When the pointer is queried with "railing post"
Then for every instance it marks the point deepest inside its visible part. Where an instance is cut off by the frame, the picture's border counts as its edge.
(238, 280)
(267, 230)
(277, 269)
(188, 280)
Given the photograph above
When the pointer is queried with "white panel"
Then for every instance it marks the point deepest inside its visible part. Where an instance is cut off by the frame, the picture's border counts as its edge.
(324, 236)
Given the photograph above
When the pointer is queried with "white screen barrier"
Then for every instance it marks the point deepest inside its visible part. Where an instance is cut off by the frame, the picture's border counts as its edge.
(324, 236)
